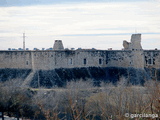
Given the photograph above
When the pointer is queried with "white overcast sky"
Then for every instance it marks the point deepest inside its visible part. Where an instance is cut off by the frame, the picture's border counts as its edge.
(100, 24)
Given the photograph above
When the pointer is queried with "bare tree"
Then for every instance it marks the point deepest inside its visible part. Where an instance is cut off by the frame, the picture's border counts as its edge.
(153, 94)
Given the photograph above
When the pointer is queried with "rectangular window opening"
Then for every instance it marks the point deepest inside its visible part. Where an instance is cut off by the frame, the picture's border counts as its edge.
(153, 61)
(70, 61)
(84, 61)
(149, 61)
(100, 61)
(26, 62)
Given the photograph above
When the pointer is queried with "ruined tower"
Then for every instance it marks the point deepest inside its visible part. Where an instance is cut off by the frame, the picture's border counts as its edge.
(58, 45)
(137, 51)
(136, 41)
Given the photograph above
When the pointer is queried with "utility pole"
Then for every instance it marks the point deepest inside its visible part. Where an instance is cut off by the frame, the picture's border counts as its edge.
(24, 41)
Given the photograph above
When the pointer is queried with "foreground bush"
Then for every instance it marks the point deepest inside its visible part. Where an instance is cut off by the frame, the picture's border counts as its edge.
(79, 100)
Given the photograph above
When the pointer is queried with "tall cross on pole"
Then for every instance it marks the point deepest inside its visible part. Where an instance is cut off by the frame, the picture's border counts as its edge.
(24, 41)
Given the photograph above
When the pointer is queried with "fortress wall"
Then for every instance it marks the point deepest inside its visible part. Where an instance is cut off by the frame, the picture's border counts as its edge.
(152, 58)
(61, 58)
(92, 58)
(138, 59)
(3, 61)
(48, 60)
(118, 59)
(98, 58)
(43, 60)
(15, 59)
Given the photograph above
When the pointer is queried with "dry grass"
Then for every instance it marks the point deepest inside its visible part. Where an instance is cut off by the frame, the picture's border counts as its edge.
(80, 100)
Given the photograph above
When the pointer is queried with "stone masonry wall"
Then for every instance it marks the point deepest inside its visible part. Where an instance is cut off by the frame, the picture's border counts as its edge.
(132, 56)
(15, 59)
(152, 59)
(48, 60)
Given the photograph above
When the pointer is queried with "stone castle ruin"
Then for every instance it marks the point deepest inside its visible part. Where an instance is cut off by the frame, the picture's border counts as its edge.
(56, 66)
(134, 44)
